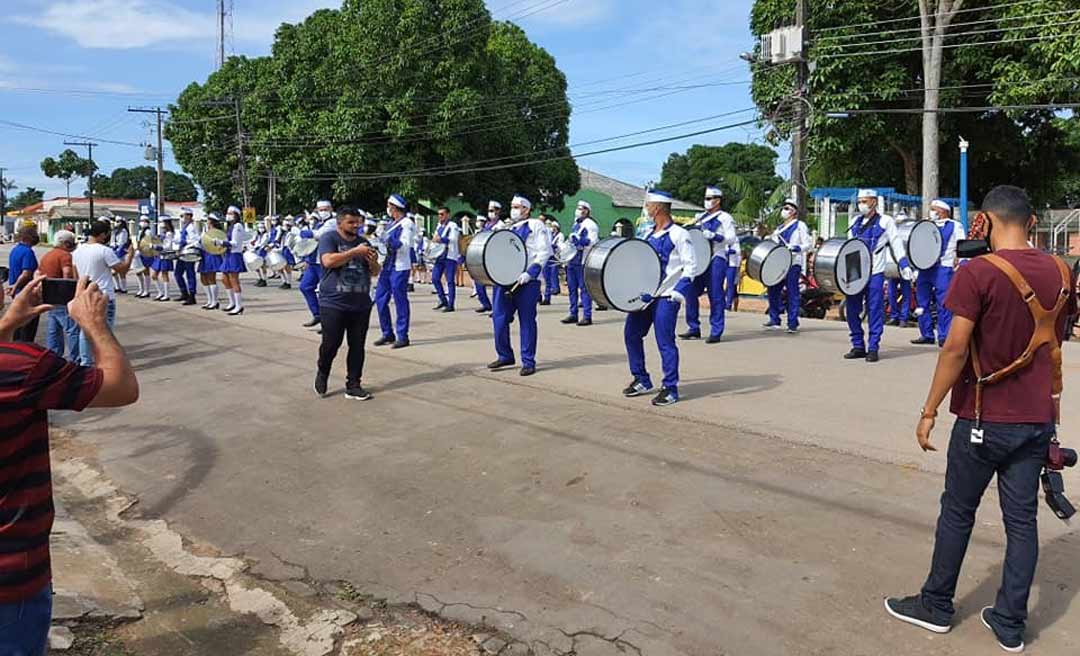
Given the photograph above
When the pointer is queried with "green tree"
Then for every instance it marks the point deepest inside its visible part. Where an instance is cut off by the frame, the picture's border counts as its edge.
(25, 198)
(141, 181)
(415, 96)
(68, 166)
(743, 171)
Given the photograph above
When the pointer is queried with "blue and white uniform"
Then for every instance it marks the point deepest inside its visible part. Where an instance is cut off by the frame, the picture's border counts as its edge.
(933, 283)
(492, 223)
(898, 292)
(676, 253)
(734, 264)
(796, 236)
(525, 299)
(719, 228)
(160, 264)
(234, 250)
(446, 264)
(309, 281)
(393, 282)
(185, 271)
(120, 243)
(585, 233)
(878, 232)
(210, 264)
(551, 269)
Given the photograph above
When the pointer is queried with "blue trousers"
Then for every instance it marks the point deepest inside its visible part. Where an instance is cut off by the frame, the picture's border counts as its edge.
(185, 277)
(393, 284)
(663, 315)
(482, 296)
(24, 625)
(523, 302)
(61, 328)
(874, 300)
(1016, 453)
(794, 298)
(712, 281)
(309, 282)
(575, 281)
(899, 299)
(731, 286)
(551, 280)
(447, 268)
(86, 352)
(933, 284)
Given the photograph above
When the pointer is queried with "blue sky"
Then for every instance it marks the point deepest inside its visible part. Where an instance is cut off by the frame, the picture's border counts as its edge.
(629, 66)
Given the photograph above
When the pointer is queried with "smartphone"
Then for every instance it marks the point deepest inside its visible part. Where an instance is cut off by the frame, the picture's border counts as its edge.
(969, 248)
(4, 272)
(57, 291)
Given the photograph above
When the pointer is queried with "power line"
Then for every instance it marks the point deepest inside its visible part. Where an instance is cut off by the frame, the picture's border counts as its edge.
(844, 55)
(23, 126)
(950, 110)
(950, 35)
(937, 14)
(865, 35)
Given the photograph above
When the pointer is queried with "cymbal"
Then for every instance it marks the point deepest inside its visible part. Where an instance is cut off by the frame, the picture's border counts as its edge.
(208, 239)
(148, 246)
(304, 246)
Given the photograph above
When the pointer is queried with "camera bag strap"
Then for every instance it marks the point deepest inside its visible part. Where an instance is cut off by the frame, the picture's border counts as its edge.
(1045, 334)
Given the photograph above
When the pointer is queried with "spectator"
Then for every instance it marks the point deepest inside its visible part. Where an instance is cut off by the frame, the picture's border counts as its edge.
(97, 261)
(22, 263)
(59, 327)
(35, 381)
(349, 262)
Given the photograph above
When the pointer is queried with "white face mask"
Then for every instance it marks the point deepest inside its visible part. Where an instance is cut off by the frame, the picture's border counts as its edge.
(713, 203)
(493, 214)
(788, 214)
(516, 213)
(581, 214)
(324, 214)
(864, 208)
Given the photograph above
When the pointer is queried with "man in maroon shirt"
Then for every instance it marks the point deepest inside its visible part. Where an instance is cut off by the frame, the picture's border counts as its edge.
(1017, 421)
(34, 380)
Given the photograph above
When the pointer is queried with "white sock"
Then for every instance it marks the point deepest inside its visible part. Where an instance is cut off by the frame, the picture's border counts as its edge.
(232, 299)
(288, 277)
(209, 296)
(165, 288)
(213, 294)
(157, 286)
(239, 300)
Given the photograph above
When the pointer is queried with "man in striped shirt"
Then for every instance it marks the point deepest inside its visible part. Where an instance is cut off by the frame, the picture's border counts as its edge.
(34, 380)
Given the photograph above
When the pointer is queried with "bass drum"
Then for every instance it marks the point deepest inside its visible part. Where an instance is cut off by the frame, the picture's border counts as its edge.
(923, 242)
(275, 261)
(253, 261)
(702, 250)
(618, 271)
(565, 252)
(496, 258)
(769, 263)
(844, 266)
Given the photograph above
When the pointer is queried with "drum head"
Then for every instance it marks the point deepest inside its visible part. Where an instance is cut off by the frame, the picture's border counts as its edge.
(923, 244)
(505, 257)
(628, 269)
(853, 267)
(702, 250)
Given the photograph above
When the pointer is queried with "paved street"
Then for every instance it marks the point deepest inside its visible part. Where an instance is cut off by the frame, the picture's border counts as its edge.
(767, 513)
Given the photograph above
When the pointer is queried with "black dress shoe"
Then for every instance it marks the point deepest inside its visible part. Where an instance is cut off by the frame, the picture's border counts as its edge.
(261, 283)
(314, 322)
(872, 356)
(401, 343)
(855, 354)
(911, 324)
(527, 371)
(448, 309)
(601, 308)
(190, 301)
(482, 310)
(411, 287)
(569, 320)
(714, 339)
(215, 306)
(546, 302)
(924, 341)
(893, 322)
(439, 307)
(690, 334)
(585, 322)
(499, 364)
(383, 341)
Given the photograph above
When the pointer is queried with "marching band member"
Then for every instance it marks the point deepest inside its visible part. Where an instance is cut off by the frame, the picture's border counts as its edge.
(394, 277)
(734, 264)
(209, 268)
(934, 282)
(493, 220)
(898, 293)
(185, 271)
(161, 266)
(120, 243)
(551, 270)
(259, 243)
(447, 233)
(672, 243)
(233, 260)
(794, 234)
(523, 297)
(143, 277)
(584, 234)
(309, 280)
(878, 232)
(287, 229)
(719, 228)
(324, 210)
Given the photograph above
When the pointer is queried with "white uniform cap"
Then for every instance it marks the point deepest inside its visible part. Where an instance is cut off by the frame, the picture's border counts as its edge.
(657, 196)
(494, 205)
(713, 191)
(524, 202)
(867, 193)
(186, 210)
(397, 201)
(233, 209)
(584, 204)
(324, 205)
(941, 205)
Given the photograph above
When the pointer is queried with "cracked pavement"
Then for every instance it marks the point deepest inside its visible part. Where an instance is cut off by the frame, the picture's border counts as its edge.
(763, 515)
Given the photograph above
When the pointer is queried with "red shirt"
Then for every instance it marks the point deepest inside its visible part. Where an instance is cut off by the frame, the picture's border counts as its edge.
(53, 263)
(32, 381)
(1003, 328)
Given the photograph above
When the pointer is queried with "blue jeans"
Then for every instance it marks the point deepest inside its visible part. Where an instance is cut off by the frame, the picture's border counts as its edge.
(60, 329)
(24, 625)
(86, 352)
(1016, 453)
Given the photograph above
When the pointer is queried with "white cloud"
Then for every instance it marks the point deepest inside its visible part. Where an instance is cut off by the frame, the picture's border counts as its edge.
(122, 24)
(581, 13)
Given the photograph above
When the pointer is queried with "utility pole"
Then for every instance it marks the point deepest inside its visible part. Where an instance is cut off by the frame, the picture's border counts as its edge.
(3, 197)
(90, 178)
(160, 155)
(235, 103)
(798, 140)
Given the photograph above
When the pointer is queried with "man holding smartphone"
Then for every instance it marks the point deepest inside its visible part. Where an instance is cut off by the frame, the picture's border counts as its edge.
(59, 327)
(96, 261)
(22, 263)
(35, 381)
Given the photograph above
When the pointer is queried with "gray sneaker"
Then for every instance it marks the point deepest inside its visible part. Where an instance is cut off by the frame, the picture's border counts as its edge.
(1012, 645)
(912, 611)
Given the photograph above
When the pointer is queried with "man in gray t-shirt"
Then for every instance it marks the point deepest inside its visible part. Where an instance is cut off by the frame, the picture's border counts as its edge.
(348, 263)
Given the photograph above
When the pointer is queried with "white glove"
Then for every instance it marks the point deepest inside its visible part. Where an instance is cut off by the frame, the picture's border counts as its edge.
(907, 274)
(524, 279)
(677, 297)
(709, 234)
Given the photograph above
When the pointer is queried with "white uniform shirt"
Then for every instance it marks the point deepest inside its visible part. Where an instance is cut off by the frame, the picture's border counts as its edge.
(537, 245)
(236, 238)
(588, 228)
(189, 234)
(405, 231)
(735, 259)
(451, 232)
(682, 255)
(879, 251)
(948, 259)
(800, 240)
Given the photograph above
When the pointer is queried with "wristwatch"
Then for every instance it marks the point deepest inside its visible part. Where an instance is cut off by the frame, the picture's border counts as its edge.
(923, 414)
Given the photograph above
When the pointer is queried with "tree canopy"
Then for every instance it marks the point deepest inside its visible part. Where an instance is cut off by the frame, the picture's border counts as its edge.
(26, 197)
(866, 56)
(743, 171)
(430, 98)
(68, 166)
(141, 181)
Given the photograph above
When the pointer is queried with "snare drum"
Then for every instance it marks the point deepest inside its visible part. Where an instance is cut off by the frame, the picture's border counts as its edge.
(191, 253)
(702, 250)
(769, 263)
(566, 253)
(496, 258)
(618, 271)
(844, 266)
(253, 261)
(922, 241)
(275, 261)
